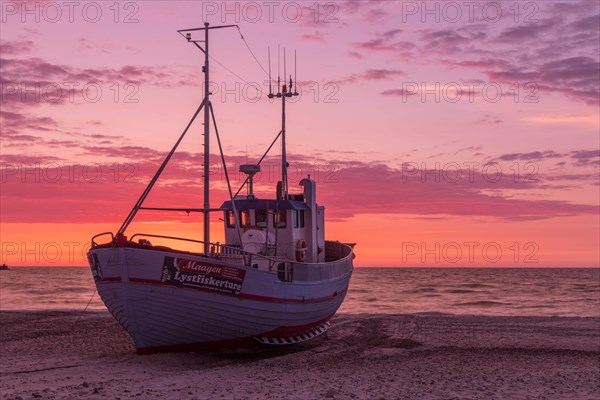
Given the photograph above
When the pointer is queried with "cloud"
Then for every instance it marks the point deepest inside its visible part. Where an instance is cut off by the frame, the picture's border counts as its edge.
(579, 154)
(11, 160)
(17, 47)
(558, 119)
(356, 54)
(590, 24)
(385, 42)
(561, 55)
(485, 63)
(315, 37)
(133, 153)
(534, 155)
(427, 192)
(372, 75)
(24, 81)
(389, 35)
(377, 74)
(22, 129)
(526, 32)
(585, 158)
(372, 11)
(469, 149)
(101, 192)
(488, 120)
(450, 40)
(398, 92)
(576, 77)
(578, 158)
(17, 126)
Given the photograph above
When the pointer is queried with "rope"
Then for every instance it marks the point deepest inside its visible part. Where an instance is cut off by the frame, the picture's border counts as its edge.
(251, 52)
(237, 75)
(253, 84)
(84, 310)
(253, 56)
(233, 73)
(43, 357)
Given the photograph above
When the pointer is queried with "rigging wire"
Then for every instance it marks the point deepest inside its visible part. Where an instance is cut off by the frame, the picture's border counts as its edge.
(255, 59)
(251, 52)
(253, 84)
(249, 83)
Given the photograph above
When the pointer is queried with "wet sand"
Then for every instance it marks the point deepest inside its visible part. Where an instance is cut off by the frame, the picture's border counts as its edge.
(69, 355)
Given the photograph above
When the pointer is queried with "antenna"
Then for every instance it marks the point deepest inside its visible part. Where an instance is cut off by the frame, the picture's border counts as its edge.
(270, 86)
(283, 92)
(284, 68)
(278, 70)
(295, 75)
(290, 88)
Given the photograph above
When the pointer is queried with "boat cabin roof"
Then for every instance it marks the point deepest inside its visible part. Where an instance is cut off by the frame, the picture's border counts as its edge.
(262, 204)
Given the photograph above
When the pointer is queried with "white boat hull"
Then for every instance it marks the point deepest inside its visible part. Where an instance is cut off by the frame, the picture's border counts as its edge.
(168, 300)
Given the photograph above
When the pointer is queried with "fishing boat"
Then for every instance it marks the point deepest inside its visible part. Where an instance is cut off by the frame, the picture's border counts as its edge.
(274, 280)
(4, 267)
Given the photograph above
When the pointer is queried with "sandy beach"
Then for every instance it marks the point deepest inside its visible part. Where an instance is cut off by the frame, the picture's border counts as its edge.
(69, 355)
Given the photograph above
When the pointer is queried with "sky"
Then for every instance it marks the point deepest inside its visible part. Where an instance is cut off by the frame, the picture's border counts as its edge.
(440, 133)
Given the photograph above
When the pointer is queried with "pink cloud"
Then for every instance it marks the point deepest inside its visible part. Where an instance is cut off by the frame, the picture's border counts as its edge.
(398, 92)
(534, 155)
(356, 54)
(488, 119)
(372, 75)
(561, 55)
(101, 191)
(576, 77)
(16, 47)
(385, 42)
(60, 82)
(372, 11)
(377, 74)
(315, 37)
(411, 195)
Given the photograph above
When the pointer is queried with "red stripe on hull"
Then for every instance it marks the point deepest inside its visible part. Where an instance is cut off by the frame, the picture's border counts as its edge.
(283, 300)
(109, 279)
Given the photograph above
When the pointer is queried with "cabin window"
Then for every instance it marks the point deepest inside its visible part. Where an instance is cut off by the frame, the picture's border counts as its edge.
(279, 219)
(230, 218)
(298, 216)
(261, 218)
(244, 218)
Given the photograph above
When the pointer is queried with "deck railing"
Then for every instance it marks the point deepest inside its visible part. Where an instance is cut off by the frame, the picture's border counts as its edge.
(286, 270)
(216, 249)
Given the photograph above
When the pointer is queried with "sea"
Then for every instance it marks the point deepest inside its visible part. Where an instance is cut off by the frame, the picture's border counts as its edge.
(562, 292)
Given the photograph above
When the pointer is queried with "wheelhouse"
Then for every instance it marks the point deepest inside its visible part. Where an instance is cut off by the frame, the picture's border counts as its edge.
(292, 228)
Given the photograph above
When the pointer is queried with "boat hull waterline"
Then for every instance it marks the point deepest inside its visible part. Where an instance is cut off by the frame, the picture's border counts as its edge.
(169, 300)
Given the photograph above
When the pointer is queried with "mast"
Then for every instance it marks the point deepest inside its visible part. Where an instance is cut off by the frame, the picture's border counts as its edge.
(207, 115)
(283, 91)
(206, 165)
(284, 179)
(187, 33)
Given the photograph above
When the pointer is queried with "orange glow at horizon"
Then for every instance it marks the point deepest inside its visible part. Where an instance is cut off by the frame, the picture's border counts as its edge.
(401, 241)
